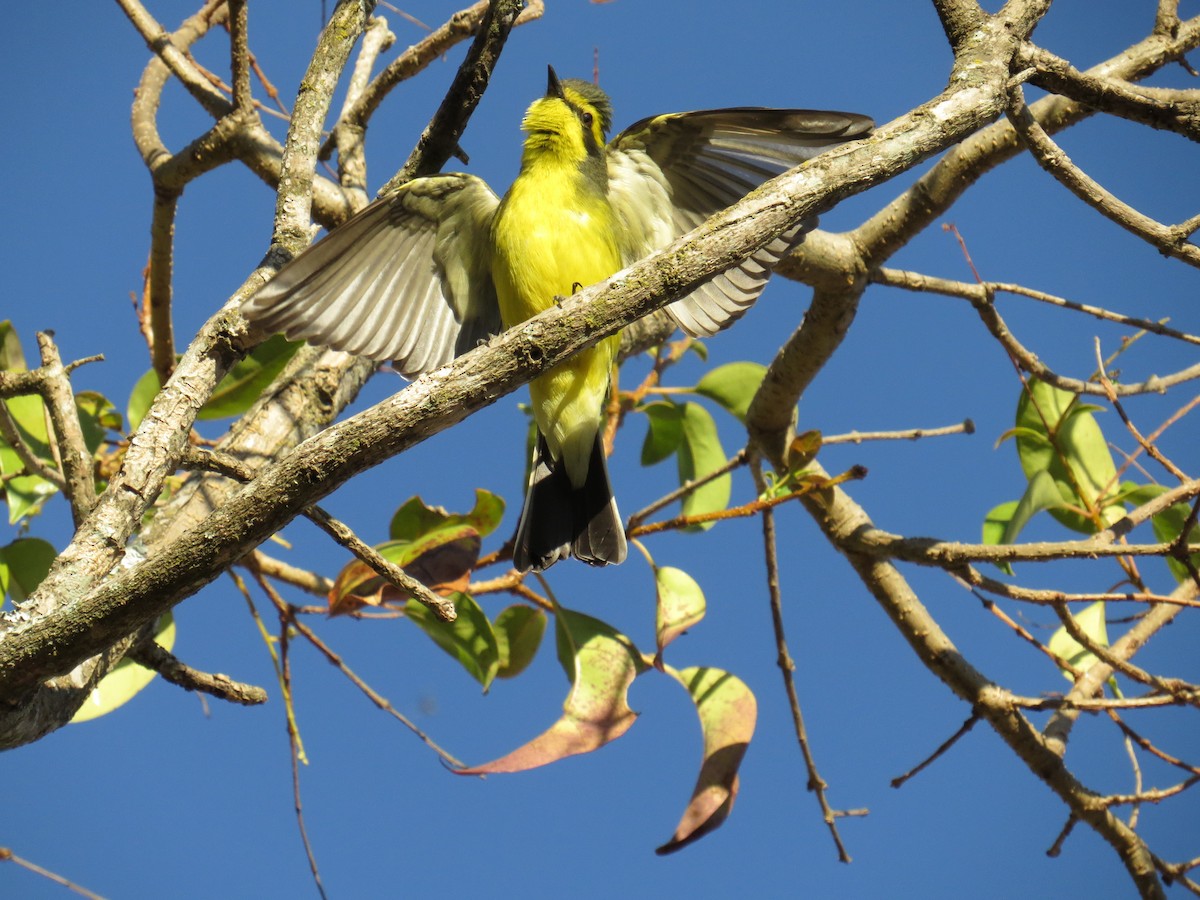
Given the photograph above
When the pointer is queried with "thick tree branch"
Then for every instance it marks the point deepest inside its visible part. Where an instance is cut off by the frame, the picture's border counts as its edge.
(1173, 110)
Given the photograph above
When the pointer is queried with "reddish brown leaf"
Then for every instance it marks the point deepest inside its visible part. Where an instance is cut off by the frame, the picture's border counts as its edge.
(604, 664)
(728, 712)
(442, 561)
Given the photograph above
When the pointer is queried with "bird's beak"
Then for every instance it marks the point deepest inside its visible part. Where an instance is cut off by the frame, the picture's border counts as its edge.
(553, 87)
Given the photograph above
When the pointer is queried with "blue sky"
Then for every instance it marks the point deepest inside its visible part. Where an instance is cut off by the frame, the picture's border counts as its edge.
(164, 798)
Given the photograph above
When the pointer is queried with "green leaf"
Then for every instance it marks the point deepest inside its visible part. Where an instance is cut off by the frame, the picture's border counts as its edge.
(469, 638)
(12, 357)
(1091, 621)
(665, 433)
(26, 493)
(728, 713)
(1056, 433)
(1041, 493)
(415, 520)
(249, 377)
(733, 386)
(97, 417)
(126, 679)
(23, 565)
(700, 453)
(995, 525)
(680, 605)
(519, 631)
(140, 398)
(601, 664)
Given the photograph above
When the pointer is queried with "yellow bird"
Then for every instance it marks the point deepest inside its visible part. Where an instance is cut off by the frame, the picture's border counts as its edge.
(431, 270)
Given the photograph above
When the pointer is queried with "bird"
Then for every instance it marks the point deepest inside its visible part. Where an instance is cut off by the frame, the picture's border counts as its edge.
(431, 270)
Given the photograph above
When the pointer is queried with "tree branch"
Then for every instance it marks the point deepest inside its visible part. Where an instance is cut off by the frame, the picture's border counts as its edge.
(1170, 240)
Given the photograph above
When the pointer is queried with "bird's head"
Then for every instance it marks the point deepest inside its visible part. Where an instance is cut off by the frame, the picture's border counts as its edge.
(569, 122)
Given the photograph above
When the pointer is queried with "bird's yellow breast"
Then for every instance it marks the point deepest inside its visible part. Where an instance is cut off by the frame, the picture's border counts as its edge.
(552, 235)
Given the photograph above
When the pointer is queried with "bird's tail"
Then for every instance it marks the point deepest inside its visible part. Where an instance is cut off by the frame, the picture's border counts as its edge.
(560, 520)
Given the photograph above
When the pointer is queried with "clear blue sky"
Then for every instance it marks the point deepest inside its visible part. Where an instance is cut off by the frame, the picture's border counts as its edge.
(162, 799)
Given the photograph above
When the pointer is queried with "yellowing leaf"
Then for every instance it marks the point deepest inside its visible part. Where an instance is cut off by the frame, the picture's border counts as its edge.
(415, 520)
(125, 680)
(602, 664)
(680, 605)
(1091, 621)
(728, 713)
(804, 449)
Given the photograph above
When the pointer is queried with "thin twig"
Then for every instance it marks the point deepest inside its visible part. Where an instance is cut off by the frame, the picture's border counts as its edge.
(787, 667)
(1155, 795)
(949, 554)
(966, 426)
(7, 855)
(966, 726)
(279, 570)
(916, 281)
(981, 296)
(753, 508)
(1069, 826)
(1114, 661)
(285, 621)
(1102, 704)
(1048, 597)
(738, 459)
(1023, 633)
(1147, 745)
(1151, 449)
(440, 138)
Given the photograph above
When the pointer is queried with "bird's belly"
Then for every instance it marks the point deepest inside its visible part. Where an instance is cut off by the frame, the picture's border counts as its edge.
(551, 259)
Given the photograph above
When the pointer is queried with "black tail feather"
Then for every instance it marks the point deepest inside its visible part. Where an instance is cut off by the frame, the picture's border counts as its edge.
(559, 520)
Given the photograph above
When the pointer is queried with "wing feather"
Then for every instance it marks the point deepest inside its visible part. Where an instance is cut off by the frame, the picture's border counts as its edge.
(406, 279)
(668, 174)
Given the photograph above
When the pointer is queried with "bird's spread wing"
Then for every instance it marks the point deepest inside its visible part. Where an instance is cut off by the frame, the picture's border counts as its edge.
(406, 279)
(669, 173)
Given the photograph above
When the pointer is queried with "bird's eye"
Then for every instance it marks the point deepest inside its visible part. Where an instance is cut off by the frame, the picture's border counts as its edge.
(586, 118)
